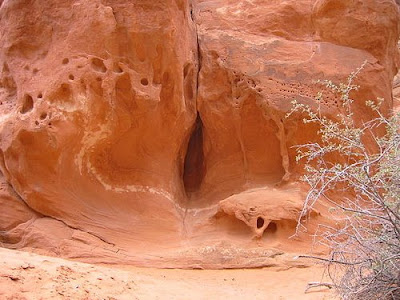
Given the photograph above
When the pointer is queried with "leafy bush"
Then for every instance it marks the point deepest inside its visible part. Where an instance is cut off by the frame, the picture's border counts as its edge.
(356, 168)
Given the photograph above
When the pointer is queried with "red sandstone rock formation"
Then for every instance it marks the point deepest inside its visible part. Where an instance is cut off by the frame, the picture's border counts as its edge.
(140, 131)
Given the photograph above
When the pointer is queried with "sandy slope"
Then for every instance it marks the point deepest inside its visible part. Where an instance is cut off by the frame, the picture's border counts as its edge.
(30, 276)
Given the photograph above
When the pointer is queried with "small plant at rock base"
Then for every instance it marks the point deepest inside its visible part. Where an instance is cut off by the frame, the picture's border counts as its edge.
(356, 168)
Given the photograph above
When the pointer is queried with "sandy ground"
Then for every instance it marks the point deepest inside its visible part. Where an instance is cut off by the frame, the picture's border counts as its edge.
(26, 275)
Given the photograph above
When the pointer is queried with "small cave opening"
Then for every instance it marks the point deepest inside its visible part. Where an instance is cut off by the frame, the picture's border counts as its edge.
(193, 171)
(260, 222)
(271, 228)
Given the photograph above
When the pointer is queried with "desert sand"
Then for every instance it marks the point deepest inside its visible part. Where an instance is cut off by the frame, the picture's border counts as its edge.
(25, 275)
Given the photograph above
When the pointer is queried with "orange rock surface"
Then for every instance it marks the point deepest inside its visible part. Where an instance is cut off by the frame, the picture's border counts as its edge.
(154, 132)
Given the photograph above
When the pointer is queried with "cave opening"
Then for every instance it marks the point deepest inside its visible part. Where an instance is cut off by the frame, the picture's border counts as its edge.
(271, 228)
(194, 168)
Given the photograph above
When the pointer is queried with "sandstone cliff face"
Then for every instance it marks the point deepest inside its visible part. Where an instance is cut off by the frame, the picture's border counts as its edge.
(154, 132)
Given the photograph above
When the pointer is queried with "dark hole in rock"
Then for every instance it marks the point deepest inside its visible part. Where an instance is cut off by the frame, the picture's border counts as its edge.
(98, 65)
(65, 61)
(71, 77)
(40, 95)
(144, 81)
(43, 116)
(260, 222)
(193, 172)
(27, 105)
(271, 228)
(118, 69)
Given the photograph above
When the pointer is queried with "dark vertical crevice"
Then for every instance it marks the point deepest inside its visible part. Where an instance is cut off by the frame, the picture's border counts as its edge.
(194, 164)
(199, 61)
(194, 167)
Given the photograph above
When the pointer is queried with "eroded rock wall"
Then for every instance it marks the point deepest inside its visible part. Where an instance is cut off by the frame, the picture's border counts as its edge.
(257, 56)
(96, 118)
(154, 132)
